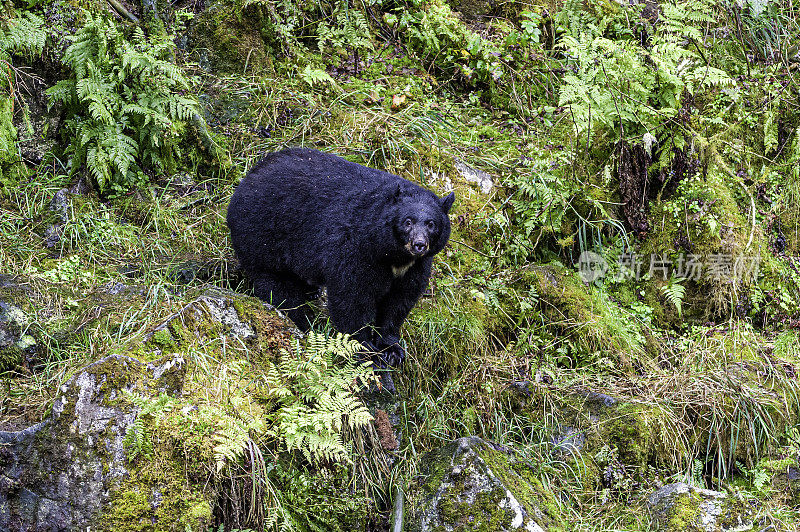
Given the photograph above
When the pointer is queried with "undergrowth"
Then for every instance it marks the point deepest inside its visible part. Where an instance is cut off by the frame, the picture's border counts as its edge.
(605, 129)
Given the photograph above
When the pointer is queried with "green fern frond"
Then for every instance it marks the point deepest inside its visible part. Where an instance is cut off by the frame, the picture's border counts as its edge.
(64, 91)
(674, 292)
(25, 35)
(128, 87)
(137, 441)
(315, 386)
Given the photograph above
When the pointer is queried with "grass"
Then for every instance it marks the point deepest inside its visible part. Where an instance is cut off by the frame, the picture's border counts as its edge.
(719, 395)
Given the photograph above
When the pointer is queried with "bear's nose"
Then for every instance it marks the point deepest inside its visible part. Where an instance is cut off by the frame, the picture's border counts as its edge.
(420, 246)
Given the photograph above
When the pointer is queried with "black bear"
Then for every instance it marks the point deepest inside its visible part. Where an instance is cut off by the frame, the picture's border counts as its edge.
(302, 219)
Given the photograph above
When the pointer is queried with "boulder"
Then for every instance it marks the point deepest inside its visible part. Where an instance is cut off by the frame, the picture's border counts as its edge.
(680, 507)
(473, 175)
(471, 484)
(57, 475)
(17, 347)
(99, 459)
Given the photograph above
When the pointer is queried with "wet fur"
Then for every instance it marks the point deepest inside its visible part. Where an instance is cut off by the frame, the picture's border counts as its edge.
(302, 219)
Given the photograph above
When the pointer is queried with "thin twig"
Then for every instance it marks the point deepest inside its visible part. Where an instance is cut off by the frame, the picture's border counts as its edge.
(470, 247)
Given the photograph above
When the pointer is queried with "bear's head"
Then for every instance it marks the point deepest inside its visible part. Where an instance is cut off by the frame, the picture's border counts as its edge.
(420, 223)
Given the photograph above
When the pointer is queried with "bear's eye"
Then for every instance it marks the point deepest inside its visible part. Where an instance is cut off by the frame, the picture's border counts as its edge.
(431, 225)
(408, 222)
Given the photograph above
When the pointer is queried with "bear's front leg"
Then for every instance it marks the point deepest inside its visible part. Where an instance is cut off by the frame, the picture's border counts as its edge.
(394, 307)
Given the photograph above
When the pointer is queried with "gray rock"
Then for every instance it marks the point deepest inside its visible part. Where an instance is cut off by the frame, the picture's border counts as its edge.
(115, 288)
(473, 175)
(16, 345)
(568, 440)
(52, 235)
(471, 484)
(38, 127)
(222, 311)
(57, 475)
(68, 472)
(681, 507)
(60, 205)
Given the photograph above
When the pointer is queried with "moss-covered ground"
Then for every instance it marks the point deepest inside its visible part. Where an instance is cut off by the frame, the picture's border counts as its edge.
(658, 141)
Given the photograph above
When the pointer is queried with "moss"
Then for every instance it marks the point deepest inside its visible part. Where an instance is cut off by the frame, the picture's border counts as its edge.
(15, 343)
(703, 218)
(130, 510)
(683, 514)
(454, 327)
(157, 498)
(10, 165)
(521, 480)
(114, 374)
(232, 38)
(590, 326)
(271, 330)
(163, 339)
(170, 489)
(784, 478)
(484, 514)
(447, 486)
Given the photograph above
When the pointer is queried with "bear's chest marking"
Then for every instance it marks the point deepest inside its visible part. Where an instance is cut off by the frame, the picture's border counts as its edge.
(399, 271)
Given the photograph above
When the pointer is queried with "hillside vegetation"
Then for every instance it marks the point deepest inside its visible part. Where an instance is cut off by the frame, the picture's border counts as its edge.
(626, 232)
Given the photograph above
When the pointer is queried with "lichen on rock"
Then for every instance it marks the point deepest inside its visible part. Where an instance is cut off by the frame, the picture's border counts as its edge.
(57, 475)
(75, 469)
(16, 345)
(472, 485)
(681, 507)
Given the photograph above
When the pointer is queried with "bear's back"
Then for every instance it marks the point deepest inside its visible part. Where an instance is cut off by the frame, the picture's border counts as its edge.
(298, 206)
(315, 170)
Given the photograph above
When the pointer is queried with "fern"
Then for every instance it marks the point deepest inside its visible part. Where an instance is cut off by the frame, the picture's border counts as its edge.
(317, 397)
(235, 432)
(126, 104)
(617, 86)
(137, 441)
(347, 29)
(674, 292)
(25, 36)
(681, 19)
(316, 76)
(19, 36)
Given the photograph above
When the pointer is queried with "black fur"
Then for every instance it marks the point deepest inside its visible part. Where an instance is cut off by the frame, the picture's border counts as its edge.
(302, 219)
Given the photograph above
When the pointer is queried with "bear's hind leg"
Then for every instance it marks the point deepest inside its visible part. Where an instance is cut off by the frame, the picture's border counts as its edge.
(288, 293)
(352, 312)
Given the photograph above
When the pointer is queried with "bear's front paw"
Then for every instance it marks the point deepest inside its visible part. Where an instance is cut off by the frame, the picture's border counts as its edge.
(390, 352)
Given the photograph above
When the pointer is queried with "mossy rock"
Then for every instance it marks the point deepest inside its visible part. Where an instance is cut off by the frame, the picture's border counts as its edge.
(61, 472)
(604, 330)
(231, 41)
(16, 345)
(639, 432)
(76, 469)
(784, 478)
(680, 507)
(471, 485)
(587, 422)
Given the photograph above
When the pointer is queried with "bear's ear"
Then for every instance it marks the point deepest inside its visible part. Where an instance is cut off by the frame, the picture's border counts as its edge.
(447, 202)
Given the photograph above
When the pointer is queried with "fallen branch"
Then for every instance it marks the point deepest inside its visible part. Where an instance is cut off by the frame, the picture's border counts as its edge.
(121, 11)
